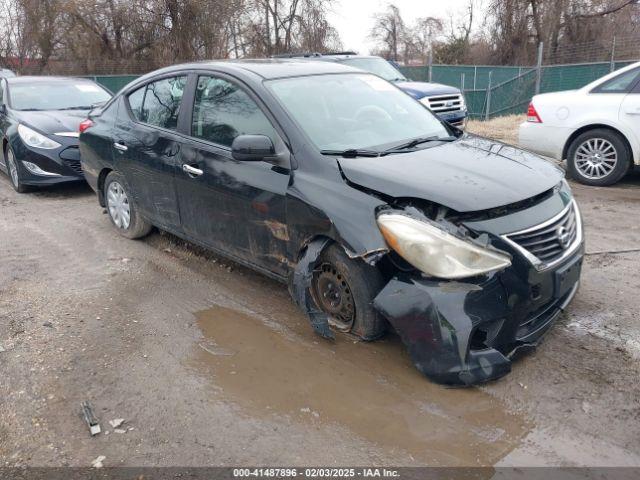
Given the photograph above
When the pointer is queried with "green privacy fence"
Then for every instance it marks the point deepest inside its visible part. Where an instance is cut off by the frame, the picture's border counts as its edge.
(493, 91)
(571, 77)
(475, 77)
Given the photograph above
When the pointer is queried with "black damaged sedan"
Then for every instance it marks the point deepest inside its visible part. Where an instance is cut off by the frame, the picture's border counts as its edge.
(39, 122)
(374, 212)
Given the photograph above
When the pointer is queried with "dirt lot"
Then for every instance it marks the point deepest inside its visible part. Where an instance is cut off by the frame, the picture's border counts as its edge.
(211, 364)
(504, 129)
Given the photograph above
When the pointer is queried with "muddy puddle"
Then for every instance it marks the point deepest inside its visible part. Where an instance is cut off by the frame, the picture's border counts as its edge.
(371, 389)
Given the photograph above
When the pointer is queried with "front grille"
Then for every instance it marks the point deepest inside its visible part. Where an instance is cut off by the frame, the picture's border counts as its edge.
(549, 241)
(445, 103)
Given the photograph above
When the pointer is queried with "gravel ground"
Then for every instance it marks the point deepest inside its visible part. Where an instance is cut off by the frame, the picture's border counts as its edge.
(211, 364)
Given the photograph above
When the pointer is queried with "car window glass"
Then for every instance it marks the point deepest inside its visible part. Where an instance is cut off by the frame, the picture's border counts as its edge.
(135, 102)
(67, 94)
(620, 84)
(162, 102)
(354, 111)
(379, 66)
(222, 111)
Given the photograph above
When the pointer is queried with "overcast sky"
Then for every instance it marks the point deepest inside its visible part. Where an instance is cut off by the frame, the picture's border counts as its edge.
(354, 18)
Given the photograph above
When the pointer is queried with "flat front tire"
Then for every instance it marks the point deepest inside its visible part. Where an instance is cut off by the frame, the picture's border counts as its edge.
(122, 209)
(598, 157)
(344, 288)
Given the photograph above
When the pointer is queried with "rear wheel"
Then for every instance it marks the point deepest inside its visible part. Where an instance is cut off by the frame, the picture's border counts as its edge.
(344, 288)
(14, 172)
(122, 209)
(598, 157)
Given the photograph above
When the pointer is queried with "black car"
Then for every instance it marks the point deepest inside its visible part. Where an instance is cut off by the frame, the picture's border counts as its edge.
(371, 208)
(39, 121)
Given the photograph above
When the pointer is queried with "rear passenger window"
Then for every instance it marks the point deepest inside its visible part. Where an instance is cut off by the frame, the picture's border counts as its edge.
(620, 84)
(135, 102)
(222, 111)
(158, 103)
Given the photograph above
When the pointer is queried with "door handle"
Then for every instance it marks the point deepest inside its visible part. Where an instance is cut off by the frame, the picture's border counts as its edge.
(120, 146)
(192, 171)
(633, 111)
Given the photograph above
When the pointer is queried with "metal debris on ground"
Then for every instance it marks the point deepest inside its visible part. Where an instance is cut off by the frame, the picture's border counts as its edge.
(89, 417)
(97, 463)
(116, 422)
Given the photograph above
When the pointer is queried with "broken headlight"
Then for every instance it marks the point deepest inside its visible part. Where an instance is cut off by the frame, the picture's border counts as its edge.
(436, 252)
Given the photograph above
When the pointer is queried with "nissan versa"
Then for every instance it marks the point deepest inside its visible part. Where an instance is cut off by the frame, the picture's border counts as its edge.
(375, 212)
(39, 119)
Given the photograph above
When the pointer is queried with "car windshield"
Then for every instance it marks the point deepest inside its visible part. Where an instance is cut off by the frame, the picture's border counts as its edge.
(56, 95)
(378, 66)
(355, 111)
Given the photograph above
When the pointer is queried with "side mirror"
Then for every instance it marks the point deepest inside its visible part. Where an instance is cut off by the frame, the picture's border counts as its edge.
(252, 148)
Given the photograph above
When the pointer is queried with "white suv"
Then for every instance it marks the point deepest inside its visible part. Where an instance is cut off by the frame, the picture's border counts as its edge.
(596, 128)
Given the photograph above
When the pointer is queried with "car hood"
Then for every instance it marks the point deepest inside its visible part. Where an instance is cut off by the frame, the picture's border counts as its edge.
(53, 121)
(470, 174)
(419, 90)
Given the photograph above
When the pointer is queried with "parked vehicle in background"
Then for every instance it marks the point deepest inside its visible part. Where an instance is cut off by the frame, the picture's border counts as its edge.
(5, 73)
(333, 180)
(445, 101)
(39, 121)
(596, 128)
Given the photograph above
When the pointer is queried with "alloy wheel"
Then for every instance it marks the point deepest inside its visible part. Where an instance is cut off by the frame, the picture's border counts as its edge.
(596, 158)
(118, 205)
(13, 168)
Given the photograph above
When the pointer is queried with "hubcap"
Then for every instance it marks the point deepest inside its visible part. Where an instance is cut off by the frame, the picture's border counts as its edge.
(118, 205)
(596, 158)
(13, 169)
(334, 296)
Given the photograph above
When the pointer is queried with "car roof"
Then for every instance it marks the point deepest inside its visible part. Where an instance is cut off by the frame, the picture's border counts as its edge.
(269, 68)
(45, 79)
(348, 56)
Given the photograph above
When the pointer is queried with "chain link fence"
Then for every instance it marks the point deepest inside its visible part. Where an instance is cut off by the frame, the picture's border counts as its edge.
(493, 91)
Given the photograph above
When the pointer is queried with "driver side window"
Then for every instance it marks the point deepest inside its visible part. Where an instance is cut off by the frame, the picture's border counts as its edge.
(222, 111)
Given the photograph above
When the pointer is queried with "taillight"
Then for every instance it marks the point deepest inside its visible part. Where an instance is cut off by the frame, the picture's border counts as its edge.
(84, 125)
(532, 115)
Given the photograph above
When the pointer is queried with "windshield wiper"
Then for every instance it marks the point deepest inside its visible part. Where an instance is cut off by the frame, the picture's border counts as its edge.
(417, 141)
(351, 153)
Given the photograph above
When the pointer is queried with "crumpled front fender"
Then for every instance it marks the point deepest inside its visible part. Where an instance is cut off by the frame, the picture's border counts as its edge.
(436, 321)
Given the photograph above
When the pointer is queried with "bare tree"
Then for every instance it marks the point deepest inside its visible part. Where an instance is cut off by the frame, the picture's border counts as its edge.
(389, 31)
(424, 35)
